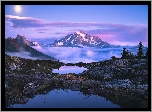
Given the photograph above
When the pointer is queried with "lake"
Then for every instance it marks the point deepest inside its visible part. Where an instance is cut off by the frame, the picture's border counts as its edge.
(69, 69)
(66, 99)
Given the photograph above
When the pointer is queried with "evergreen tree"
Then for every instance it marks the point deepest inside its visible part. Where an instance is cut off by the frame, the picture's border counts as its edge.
(125, 54)
(140, 52)
(132, 55)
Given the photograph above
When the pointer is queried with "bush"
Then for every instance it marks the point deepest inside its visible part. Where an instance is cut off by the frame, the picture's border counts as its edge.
(113, 58)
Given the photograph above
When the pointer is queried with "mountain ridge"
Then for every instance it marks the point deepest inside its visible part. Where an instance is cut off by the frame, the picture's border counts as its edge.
(12, 45)
(22, 40)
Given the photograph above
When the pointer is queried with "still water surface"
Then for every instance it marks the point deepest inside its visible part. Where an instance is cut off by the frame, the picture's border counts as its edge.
(66, 99)
(69, 69)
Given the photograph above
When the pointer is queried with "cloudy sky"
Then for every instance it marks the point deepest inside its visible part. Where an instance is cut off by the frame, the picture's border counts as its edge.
(116, 24)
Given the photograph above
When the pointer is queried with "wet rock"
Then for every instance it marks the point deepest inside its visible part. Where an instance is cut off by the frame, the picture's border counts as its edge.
(22, 100)
(6, 85)
(30, 88)
(136, 65)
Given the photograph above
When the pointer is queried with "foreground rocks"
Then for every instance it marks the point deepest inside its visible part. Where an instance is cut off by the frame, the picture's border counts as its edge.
(28, 86)
(134, 69)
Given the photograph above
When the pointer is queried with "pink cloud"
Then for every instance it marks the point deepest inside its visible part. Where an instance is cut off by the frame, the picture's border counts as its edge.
(104, 37)
(112, 33)
(122, 33)
(41, 29)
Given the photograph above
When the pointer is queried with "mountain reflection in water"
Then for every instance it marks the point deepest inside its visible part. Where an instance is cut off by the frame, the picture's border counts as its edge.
(66, 99)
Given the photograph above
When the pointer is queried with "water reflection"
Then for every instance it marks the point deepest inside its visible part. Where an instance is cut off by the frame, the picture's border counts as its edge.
(67, 99)
(71, 93)
(69, 69)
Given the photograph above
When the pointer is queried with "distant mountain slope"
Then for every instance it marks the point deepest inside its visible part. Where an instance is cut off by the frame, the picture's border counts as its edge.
(22, 40)
(12, 45)
(80, 38)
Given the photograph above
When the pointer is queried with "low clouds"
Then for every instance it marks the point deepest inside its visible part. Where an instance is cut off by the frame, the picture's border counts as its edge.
(22, 54)
(75, 55)
(41, 29)
(86, 55)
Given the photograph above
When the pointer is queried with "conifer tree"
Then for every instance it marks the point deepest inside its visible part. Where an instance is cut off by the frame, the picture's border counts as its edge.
(140, 52)
(132, 55)
(125, 54)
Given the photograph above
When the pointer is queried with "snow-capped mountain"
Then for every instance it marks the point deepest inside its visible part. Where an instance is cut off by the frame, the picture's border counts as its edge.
(80, 39)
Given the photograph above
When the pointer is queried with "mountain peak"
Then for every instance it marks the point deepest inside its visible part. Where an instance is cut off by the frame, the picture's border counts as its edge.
(18, 35)
(81, 38)
(22, 39)
(81, 33)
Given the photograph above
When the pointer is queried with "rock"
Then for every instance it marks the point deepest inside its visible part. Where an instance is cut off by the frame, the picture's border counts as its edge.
(23, 100)
(145, 72)
(30, 88)
(70, 77)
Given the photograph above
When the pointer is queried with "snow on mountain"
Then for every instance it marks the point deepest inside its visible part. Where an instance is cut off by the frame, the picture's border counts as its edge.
(79, 39)
(35, 43)
(80, 33)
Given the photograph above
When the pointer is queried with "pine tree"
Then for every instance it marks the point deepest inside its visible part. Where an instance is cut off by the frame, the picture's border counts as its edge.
(140, 52)
(130, 54)
(125, 54)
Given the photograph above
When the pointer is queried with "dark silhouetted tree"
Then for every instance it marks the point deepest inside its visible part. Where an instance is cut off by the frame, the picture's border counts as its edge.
(140, 52)
(125, 54)
(131, 55)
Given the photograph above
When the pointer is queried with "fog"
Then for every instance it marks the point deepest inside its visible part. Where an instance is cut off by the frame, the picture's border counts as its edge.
(23, 54)
(87, 54)
(75, 55)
